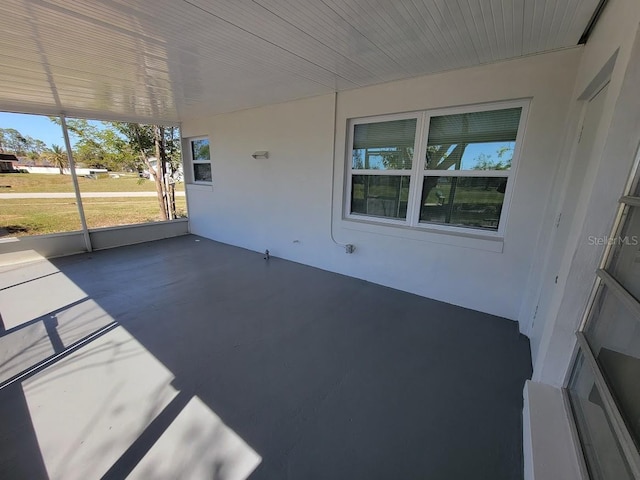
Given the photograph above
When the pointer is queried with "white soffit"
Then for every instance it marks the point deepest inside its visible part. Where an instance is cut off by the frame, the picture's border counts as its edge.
(167, 60)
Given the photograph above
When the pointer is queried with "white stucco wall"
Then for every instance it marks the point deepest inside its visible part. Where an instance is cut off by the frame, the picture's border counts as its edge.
(589, 209)
(269, 204)
(614, 149)
(283, 203)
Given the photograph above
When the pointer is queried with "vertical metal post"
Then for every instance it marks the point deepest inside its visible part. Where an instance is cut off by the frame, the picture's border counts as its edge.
(76, 187)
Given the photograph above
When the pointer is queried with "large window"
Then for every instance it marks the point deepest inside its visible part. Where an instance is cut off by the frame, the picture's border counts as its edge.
(201, 160)
(447, 169)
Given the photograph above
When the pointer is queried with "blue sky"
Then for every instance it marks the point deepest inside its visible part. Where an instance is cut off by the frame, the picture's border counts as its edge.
(36, 126)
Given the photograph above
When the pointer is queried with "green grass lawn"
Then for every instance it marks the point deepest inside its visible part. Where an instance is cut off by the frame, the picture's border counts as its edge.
(42, 182)
(40, 216)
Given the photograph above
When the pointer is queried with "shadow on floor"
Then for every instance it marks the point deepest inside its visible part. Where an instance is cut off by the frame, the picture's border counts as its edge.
(20, 456)
(324, 376)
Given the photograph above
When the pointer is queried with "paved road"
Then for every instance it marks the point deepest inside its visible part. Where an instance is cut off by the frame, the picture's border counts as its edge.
(84, 195)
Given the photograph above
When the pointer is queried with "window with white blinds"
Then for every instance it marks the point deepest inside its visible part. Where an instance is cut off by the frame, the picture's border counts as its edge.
(446, 169)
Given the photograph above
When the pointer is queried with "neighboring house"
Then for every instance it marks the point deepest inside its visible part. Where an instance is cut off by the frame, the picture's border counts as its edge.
(177, 174)
(44, 166)
(483, 154)
(8, 162)
(66, 171)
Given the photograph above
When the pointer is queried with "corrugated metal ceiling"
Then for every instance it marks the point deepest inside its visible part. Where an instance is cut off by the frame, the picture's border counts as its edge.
(168, 60)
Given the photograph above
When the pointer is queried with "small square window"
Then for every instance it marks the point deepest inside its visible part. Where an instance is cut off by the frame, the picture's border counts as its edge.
(202, 172)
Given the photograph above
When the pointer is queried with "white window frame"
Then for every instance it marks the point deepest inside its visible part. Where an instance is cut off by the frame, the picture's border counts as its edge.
(190, 141)
(418, 173)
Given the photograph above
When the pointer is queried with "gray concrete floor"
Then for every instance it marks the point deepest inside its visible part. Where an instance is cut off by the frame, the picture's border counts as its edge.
(206, 361)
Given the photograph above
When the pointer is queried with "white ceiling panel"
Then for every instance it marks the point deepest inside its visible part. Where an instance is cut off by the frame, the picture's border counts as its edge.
(167, 60)
(324, 25)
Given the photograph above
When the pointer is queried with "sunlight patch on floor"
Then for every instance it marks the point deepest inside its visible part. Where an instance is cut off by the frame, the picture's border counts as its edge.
(34, 298)
(17, 258)
(198, 445)
(89, 407)
(16, 267)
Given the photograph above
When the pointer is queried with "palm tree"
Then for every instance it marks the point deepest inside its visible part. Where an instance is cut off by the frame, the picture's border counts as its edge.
(58, 157)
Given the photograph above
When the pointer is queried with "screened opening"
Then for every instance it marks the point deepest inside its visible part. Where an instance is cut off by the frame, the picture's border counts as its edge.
(120, 179)
(125, 168)
(35, 182)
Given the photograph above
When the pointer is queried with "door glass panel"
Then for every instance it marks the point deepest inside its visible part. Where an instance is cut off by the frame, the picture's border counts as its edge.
(615, 341)
(602, 451)
(625, 264)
